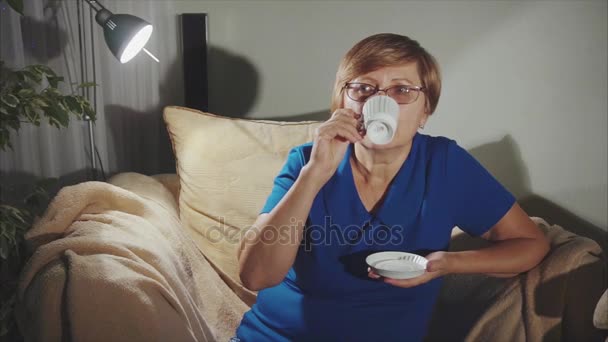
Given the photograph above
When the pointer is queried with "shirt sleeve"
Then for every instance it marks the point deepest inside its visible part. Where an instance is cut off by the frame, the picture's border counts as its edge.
(477, 200)
(285, 179)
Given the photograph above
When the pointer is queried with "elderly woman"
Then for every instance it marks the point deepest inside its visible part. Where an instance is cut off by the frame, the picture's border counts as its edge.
(342, 197)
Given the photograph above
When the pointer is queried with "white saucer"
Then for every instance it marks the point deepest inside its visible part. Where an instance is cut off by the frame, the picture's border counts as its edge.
(397, 265)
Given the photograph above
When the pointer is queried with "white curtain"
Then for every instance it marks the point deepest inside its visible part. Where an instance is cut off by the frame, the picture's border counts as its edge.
(129, 132)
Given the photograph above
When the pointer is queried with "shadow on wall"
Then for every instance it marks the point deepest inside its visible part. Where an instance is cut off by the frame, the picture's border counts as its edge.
(233, 83)
(538, 206)
(139, 141)
(42, 39)
(503, 159)
(140, 138)
(321, 115)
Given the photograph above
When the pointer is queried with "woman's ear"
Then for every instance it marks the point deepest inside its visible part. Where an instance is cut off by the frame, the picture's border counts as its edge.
(425, 118)
(427, 108)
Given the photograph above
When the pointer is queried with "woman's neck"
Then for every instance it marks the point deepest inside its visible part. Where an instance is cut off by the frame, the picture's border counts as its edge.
(378, 166)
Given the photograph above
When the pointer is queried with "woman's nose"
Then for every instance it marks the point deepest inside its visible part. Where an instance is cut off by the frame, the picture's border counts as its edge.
(377, 94)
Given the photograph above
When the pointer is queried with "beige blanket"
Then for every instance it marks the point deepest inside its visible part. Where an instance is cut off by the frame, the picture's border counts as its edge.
(112, 264)
(563, 288)
(552, 302)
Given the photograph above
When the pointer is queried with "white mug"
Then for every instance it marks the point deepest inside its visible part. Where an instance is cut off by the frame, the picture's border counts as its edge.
(380, 114)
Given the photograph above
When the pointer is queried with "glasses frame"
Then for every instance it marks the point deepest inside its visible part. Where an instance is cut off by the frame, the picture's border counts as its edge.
(418, 89)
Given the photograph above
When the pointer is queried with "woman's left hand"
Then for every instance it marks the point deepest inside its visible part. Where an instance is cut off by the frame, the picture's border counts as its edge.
(437, 266)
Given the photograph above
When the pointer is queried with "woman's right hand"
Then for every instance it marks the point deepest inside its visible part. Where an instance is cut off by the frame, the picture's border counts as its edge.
(263, 262)
(331, 141)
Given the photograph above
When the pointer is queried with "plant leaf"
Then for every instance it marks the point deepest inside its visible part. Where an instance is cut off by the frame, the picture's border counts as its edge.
(17, 5)
(73, 105)
(33, 70)
(9, 210)
(43, 69)
(52, 92)
(9, 230)
(57, 114)
(10, 100)
(13, 122)
(88, 111)
(87, 85)
(26, 93)
(5, 141)
(40, 102)
(4, 248)
(54, 80)
(30, 114)
(87, 107)
(32, 76)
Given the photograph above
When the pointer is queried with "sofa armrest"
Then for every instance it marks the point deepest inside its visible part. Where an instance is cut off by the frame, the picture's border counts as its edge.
(572, 280)
(112, 264)
(553, 301)
(161, 189)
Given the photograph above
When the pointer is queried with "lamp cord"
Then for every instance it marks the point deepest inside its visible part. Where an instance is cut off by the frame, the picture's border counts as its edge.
(103, 173)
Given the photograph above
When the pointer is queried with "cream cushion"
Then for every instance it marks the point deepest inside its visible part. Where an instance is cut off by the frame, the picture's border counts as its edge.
(226, 168)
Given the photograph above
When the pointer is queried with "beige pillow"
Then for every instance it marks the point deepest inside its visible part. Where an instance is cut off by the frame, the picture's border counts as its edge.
(226, 168)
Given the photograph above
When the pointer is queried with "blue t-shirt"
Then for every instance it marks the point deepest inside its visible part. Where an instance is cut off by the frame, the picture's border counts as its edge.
(327, 295)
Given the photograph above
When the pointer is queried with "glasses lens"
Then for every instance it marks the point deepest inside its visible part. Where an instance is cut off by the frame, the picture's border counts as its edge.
(360, 91)
(403, 94)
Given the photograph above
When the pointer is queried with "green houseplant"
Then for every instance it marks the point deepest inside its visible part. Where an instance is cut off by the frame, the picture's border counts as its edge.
(27, 96)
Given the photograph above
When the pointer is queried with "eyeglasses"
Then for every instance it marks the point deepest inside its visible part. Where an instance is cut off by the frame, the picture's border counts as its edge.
(403, 94)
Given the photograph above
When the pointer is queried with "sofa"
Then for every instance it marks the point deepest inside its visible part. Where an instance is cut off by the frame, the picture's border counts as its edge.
(153, 258)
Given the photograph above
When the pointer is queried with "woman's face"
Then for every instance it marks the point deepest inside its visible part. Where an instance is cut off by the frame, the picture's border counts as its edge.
(411, 115)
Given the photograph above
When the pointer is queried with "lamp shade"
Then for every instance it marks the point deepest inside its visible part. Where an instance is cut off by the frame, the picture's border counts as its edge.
(125, 34)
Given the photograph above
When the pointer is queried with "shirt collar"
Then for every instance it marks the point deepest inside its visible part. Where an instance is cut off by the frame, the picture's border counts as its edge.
(403, 200)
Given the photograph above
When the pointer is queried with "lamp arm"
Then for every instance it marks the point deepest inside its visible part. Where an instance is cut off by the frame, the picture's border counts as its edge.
(95, 5)
(103, 15)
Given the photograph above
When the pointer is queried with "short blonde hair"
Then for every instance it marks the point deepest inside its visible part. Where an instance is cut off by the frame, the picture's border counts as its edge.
(388, 49)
